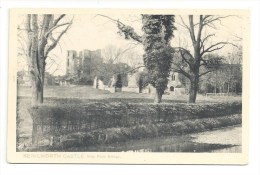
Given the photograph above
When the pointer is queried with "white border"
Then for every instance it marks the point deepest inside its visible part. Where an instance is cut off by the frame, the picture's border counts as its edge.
(252, 168)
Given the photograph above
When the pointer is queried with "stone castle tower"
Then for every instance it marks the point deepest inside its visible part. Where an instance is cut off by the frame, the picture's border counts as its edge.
(71, 61)
(85, 64)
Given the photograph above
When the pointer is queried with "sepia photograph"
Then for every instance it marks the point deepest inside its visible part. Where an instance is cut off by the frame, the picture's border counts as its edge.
(128, 86)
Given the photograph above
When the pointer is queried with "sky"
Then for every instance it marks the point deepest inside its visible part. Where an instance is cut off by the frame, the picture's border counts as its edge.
(91, 31)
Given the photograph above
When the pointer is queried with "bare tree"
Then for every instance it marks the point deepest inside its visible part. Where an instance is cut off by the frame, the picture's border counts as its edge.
(113, 54)
(197, 59)
(233, 74)
(43, 35)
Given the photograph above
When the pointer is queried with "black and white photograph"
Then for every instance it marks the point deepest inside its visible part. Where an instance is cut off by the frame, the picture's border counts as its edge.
(128, 86)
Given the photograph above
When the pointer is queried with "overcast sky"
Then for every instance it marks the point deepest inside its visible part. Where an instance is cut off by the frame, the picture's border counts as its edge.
(95, 32)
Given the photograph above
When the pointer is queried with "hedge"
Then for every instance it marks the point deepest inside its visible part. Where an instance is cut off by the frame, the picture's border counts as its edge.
(78, 141)
(55, 120)
(103, 115)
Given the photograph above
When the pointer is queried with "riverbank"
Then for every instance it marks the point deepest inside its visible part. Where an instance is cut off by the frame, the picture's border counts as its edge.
(226, 136)
(230, 135)
(225, 140)
(88, 141)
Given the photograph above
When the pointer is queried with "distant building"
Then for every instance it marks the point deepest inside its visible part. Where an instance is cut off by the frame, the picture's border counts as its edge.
(83, 66)
(176, 85)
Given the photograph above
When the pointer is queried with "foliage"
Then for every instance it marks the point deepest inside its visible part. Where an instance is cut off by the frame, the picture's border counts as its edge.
(119, 83)
(142, 79)
(128, 32)
(103, 115)
(158, 31)
(227, 79)
(212, 61)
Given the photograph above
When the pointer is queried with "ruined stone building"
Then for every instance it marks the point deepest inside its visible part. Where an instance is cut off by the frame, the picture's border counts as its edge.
(83, 67)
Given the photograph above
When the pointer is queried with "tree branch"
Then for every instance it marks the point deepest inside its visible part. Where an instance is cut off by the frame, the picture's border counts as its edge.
(183, 55)
(200, 29)
(184, 24)
(28, 23)
(128, 31)
(55, 27)
(206, 38)
(212, 19)
(124, 72)
(189, 28)
(58, 19)
(182, 72)
(54, 44)
(204, 73)
(214, 47)
(192, 31)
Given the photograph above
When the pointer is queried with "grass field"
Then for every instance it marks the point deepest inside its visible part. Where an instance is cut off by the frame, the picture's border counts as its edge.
(87, 93)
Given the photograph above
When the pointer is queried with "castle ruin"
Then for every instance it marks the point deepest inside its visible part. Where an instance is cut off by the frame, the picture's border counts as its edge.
(83, 65)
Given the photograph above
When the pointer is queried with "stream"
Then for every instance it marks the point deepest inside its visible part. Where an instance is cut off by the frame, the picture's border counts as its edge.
(226, 140)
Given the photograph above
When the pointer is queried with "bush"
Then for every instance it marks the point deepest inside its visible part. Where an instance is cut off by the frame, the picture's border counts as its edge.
(101, 115)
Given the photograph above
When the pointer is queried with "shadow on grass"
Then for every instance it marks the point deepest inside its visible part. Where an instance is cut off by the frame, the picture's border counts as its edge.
(105, 100)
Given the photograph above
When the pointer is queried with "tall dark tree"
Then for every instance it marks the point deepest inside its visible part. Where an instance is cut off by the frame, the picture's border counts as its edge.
(41, 40)
(119, 83)
(158, 32)
(142, 80)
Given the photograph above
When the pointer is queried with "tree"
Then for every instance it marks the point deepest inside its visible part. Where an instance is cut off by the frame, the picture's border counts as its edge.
(158, 32)
(42, 38)
(197, 59)
(119, 83)
(233, 70)
(142, 80)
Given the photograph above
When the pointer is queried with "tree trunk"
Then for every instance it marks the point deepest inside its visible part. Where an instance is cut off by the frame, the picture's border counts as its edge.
(158, 96)
(193, 89)
(140, 89)
(37, 91)
(228, 88)
(140, 83)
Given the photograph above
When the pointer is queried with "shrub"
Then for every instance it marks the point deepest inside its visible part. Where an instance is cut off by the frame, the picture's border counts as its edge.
(101, 115)
(94, 123)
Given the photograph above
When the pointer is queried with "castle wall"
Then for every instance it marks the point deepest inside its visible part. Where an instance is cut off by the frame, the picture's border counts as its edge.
(84, 65)
(70, 63)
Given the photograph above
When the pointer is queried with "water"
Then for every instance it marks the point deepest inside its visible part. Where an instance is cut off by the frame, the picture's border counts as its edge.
(226, 140)
(165, 144)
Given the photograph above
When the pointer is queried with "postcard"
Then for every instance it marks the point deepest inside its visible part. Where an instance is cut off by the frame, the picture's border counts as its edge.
(129, 86)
